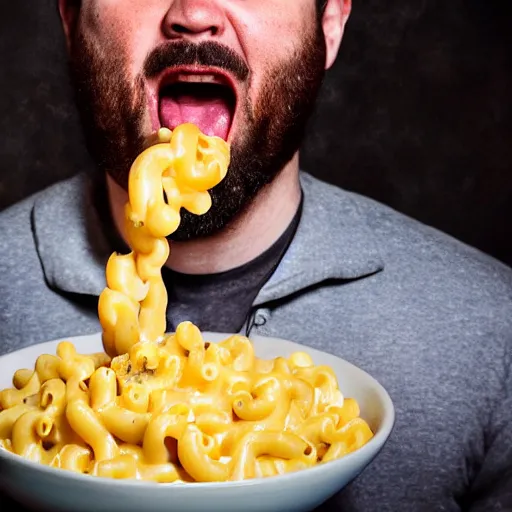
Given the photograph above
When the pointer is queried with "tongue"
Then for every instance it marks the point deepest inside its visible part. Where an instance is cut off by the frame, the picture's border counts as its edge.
(211, 115)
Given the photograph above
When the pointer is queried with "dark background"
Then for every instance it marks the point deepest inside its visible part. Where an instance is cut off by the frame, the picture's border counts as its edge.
(416, 113)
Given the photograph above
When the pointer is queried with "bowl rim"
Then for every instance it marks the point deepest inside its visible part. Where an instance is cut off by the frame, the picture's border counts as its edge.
(377, 441)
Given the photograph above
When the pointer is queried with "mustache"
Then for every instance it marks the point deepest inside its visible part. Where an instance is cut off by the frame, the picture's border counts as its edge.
(186, 53)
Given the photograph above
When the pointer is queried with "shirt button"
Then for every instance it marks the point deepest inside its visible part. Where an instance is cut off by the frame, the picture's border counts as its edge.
(260, 319)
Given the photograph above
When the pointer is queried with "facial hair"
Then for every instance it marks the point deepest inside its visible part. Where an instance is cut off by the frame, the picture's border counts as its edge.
(113, 110)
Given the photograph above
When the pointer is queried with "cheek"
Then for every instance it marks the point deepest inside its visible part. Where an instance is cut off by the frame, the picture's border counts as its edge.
(122, 29)
(271, 40)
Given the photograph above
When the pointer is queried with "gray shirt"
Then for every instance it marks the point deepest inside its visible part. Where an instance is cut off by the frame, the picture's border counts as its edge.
(221, 302)
(218, 302)
(429, 317)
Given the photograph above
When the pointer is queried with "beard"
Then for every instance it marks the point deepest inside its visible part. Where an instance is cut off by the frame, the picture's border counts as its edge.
(113, 110)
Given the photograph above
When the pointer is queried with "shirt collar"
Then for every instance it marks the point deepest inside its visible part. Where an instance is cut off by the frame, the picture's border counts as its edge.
(72, 245)
(332, 240)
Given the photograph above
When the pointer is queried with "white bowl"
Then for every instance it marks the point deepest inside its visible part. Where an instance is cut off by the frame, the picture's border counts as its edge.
(43, 488)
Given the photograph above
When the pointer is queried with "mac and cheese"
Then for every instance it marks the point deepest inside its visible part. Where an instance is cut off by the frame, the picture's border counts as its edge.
(180, 409)
(170, 408)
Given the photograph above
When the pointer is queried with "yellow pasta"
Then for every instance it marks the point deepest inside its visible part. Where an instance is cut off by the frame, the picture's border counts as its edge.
(173, 407)
(166, 177)
(140, 417)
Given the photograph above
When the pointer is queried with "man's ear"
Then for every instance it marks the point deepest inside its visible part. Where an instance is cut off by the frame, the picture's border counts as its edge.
(69, 11)
(334, 19)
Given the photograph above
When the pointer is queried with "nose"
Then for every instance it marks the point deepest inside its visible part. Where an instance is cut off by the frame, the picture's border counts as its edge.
(194, 19)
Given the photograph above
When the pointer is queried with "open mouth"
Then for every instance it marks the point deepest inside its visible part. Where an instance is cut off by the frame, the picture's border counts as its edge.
(203, 98)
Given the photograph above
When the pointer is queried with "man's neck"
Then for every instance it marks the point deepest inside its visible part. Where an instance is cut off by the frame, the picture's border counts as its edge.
(251, 234)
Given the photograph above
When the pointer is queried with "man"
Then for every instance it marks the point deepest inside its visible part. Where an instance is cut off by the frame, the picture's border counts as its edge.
(280, 253)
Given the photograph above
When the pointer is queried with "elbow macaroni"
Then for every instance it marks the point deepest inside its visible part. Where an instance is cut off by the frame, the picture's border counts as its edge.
(173, 408)
(173, 174)
(161, 413)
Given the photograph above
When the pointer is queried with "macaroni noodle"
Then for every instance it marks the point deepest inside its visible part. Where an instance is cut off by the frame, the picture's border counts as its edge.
(173, 408)
(173, 174)
(161, 413)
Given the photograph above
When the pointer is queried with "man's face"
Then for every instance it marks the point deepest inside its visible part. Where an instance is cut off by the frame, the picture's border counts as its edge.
(248, 72)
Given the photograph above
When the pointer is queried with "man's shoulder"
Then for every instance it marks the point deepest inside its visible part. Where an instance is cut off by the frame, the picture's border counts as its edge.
(17, 224)
(17, 213)
(16, 230)
(53, 194)
(408, 246)
(34, 307)
(16, 218)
